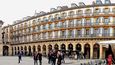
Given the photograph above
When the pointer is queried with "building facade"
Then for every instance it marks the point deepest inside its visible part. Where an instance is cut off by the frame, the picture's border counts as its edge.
(69, 29)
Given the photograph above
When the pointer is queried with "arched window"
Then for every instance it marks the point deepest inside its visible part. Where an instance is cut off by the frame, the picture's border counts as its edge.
(87, 51)
(71, 13)
(45, 19)
(106, 21)
(98, 21)
(57, 16)
(88, 11)
(63, 15)
(51, 18)
(106, 10)
(96, 51)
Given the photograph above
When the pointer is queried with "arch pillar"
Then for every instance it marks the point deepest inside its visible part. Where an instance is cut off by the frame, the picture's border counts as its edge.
(52, 45)
(82, 47)
(74, 46)
(59, 46)
(41, 48)
(10, 50)
(27, 49)
(101, 52)
(91, 51)
(46, 49)
(66, 44)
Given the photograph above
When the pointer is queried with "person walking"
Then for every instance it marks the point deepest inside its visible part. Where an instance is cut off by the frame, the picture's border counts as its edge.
(19, 56)
(40, 58)
(59, 57)
(109, 59)
(35, 58)
(53, 58)
(49, 57)
(63, 56)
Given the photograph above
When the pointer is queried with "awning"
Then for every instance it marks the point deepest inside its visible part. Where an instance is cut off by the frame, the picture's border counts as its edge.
(107, 42)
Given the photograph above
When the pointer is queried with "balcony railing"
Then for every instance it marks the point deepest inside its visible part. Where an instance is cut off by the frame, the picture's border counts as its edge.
(70, 36)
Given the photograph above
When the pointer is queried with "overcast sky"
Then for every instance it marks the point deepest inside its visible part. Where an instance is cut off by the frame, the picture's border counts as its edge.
(11, 10)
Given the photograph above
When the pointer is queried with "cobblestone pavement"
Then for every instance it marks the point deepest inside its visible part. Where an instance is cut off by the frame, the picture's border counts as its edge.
(13, 60)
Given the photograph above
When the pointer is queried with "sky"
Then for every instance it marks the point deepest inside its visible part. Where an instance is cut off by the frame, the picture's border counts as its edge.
(12, 10)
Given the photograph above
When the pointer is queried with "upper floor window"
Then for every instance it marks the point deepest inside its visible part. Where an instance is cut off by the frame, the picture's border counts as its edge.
(57, 16)
(33, 22)
(39, 20)
(50, 26)
(97, 10)
(45, 19)
(71, 13)
(79, 12)
(63, 15)
(88, 11)
(106, 10)
(87, 22)
(98, 20)
(106, 21)
(51, 18)
(79, 22)
(113, 10)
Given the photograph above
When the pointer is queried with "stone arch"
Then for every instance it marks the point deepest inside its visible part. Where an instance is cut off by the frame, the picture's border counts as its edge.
(5, 50)
(30, 51)
(87, 51)
(96, 51)
(44, 49)
(49, 47)
(70, 49)
(15, 50)
(12, 51)
(18, 48)
(22, 50)
(78, 48)
(63, 48)
(25, 50)
(56, 47)
(39, 48)
(34, 48)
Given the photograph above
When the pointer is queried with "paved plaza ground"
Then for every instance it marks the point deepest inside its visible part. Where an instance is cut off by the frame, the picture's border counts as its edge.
(13, 60)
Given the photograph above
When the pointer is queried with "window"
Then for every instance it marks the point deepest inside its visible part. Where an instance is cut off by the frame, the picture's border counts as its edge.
(63, 15)
(45, 19)
(88, 11)
(79, 33)
(50, 26)
(79, 22)
(80, 12)
(113, 10)
(71, 13)
(51, 18)
(106, 21)
(106, 10)
(57, 16)
(97, 10)
(97, 21)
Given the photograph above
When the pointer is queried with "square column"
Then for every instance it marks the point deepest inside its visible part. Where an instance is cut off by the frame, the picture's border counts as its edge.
(1, 49)
(101, 52)
(91, 52)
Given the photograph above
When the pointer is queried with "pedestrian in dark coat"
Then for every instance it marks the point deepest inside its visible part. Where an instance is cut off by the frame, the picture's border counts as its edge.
(53, 58)
(35, 58)
(40, 58)
(19, 56)
(49, 57)
(59, 57)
